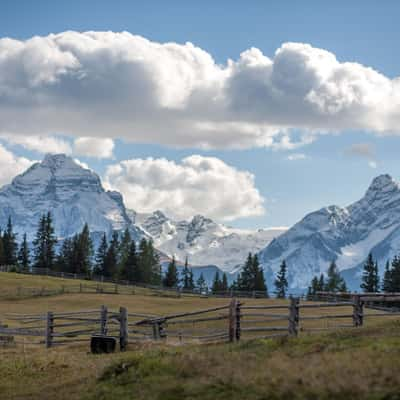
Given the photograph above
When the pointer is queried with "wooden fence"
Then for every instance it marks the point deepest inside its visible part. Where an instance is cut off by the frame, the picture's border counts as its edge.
(231, 322)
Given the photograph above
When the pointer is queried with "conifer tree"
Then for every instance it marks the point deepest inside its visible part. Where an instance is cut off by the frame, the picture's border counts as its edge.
(65, 258)
(281, 283)
(2, 256)
(10, 246)
(201, 283)
(191, 280)
(101, 256)
(130, 264)
(224, 283)
(216, 285)
(171, 276)
(44, 243)
(83, 252)
(186, 276)
(395, 275)
(23, 255)
(111, 258)
(387, 279)
(335, 282)
(124, 248)
(321, 283)
(370, 278)
(259, 281)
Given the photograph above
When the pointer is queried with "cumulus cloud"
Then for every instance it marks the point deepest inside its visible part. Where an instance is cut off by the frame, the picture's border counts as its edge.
(296, 156)
(107, 84)
(11, 165)
(40, 144)
(196, 185)
(94, 147)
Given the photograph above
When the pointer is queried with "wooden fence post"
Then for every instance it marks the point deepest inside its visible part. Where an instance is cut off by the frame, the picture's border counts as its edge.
(358, 311)
(49, 329)
(293, 316)
(233, 320)
(123, 328)
(238, 304)
(156, 330)
(103, 320)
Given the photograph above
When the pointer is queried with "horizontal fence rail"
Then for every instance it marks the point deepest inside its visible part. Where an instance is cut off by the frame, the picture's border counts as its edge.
(227, 323)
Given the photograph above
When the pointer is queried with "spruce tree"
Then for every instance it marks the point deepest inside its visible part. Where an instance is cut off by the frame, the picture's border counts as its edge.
(370, 278)
(216, 285)
(259, 280)
(186, 276)
(10, 246)
(395, 275)
(65, 259)
(191, 280)
(2, 255)
(224, 283)
(124, 249)
(44, 243)
(387, 279)
(23, 255)
(335, 282)
(201, 283)
(171, 276)
(130, 264)
(281, 283)
(101, 256)
(83, 251)
(111, 258)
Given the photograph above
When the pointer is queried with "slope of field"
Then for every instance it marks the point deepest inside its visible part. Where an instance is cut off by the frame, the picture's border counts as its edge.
(356, 364)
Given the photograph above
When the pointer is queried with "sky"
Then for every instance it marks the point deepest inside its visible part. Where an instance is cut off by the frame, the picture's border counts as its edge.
(253, 114)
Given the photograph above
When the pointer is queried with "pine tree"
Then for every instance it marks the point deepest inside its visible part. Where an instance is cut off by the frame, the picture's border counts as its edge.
(171, 276)
(101, 256)
(216, 286)
(124, 249)
(191, 280)
(335, 282)
(65, 258)
(44, 243)
(201, 283)
(186, 276)
(224, 283)
(259, 281)
(111, 258)
(321, 283)
(281, 283)
(387, 279)
(10, 246)
(130, 265)
(370, 278)
(83, 251)
(2, 256)
(395, 275)
(23, 255)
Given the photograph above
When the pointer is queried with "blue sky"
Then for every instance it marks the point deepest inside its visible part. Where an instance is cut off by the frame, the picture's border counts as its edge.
(335, 168)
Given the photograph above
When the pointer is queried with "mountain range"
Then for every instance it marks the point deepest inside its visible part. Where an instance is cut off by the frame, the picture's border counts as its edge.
(75, 196)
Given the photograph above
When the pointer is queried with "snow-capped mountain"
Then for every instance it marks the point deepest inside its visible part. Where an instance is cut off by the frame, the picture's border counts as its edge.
(345, 235)
(73, 194)
(202, 240)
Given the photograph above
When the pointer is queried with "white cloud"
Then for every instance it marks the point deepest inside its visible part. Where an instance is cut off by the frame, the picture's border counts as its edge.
(365, 151)
(94, 147)
(372, 164)
(196, 185)
(296, 156)
(41, 144)
(107, 84)
(11, 165)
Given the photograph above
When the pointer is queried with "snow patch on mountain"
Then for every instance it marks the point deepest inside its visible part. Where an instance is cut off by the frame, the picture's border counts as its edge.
(345, 235)
(73, 194)
(202, 240)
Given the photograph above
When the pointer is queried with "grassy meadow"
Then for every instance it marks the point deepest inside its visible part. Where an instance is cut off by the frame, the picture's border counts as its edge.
(358, 363)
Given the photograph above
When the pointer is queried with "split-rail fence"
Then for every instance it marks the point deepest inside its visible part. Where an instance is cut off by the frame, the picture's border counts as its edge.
(226, 323)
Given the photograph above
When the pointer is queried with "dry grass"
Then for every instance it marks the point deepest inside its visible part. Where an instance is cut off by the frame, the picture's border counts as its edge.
(351, 364)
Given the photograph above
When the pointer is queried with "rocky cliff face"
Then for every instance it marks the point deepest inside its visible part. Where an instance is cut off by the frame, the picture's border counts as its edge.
(345, 235)
(73, 194)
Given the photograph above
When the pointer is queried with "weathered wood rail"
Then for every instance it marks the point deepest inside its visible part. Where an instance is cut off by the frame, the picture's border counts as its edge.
(228, 323)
